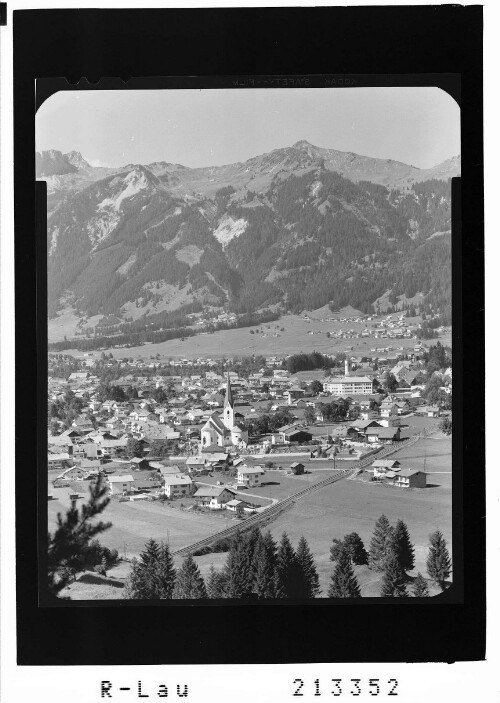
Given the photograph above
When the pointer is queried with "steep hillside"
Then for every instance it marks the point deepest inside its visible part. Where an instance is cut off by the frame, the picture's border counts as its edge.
(139, 243)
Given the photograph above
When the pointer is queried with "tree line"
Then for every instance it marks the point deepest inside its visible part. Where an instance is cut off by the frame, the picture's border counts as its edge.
(256, 567)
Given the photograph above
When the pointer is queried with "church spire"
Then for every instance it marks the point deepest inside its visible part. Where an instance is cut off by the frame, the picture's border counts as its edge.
(228, 400)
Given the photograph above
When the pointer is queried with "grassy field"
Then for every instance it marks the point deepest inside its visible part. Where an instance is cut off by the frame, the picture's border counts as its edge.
(288, 335)
(135, 522)
(349, 506)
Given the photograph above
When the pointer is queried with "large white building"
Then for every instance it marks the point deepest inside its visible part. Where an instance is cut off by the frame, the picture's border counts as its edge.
(348, 385)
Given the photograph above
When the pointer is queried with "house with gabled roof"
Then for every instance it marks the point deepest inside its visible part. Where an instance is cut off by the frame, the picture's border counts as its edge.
(410, 478)
(119, 484)
(177, 485)
(214, 496)
(58, 461)
(250, 475)
(386, 435)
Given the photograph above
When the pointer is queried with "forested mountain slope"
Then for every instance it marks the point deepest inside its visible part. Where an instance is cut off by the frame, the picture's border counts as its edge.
(286, 229)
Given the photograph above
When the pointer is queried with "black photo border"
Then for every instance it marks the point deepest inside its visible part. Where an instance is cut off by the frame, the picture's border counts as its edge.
(447, 628)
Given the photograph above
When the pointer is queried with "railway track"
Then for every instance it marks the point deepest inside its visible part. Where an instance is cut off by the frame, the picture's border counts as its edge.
(274, 510)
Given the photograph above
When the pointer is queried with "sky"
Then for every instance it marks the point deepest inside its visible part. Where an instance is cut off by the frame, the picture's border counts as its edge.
(418, 126)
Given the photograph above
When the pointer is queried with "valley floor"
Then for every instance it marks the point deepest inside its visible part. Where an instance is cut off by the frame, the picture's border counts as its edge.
(288, 335)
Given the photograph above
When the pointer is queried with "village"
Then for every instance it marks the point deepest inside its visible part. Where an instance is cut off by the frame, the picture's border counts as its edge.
(223, 447)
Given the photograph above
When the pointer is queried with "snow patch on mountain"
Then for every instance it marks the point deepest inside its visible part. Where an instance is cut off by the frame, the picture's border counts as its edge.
(228, 229)
(135, 181)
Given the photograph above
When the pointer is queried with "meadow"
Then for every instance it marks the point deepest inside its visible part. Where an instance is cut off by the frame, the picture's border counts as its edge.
(135, 522)
(354, 506)
(288, 335)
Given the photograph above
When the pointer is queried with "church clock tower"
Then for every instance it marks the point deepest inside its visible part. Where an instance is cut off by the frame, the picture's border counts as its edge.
(228, 417)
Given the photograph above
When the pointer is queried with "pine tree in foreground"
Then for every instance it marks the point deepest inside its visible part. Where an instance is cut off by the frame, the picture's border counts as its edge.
(216, 584)
(239, 567)
(420, 587)
(394, 581)
(380, 544)
(189, 583)
(438, 559)
(309, 574)
(253, 541)
(403, 548)
(143, 582)
(288, 576)
(344, 583)
(356, 548)
(165, 573)
(265, 568)
(72, 536)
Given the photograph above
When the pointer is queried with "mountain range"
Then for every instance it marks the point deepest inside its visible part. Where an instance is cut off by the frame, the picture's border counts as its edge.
(291, 229)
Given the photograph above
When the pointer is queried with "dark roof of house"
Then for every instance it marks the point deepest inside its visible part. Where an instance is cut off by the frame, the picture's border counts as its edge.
(365, 424)
(388, 432)
(214, 449)
(409, 472)
(212, 491)
(384, 432)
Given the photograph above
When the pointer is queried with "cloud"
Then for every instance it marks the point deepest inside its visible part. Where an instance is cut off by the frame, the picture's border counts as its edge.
(95, 162)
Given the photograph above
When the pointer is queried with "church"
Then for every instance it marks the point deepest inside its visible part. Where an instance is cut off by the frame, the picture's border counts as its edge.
(222, 430)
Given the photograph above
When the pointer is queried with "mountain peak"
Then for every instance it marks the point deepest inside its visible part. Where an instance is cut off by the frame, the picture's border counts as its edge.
(304, 144)
(76, 159)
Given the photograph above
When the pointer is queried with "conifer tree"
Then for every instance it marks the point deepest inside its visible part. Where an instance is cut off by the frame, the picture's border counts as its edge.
(288, 576)
(165, 573)
(394, 581)
(238, 568)
(253, 540)
(265, 583)
(216, 583)
(72, 536)
(151, 554)
(380, 544)
(420, 587)
(142, 583)
(309, 574)
(189, 583)
(344, 583)
(356, 548)
(438, 559)
(403, 548)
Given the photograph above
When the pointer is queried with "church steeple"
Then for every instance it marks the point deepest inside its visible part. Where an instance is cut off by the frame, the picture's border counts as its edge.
(228, 416)
(228, 400)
